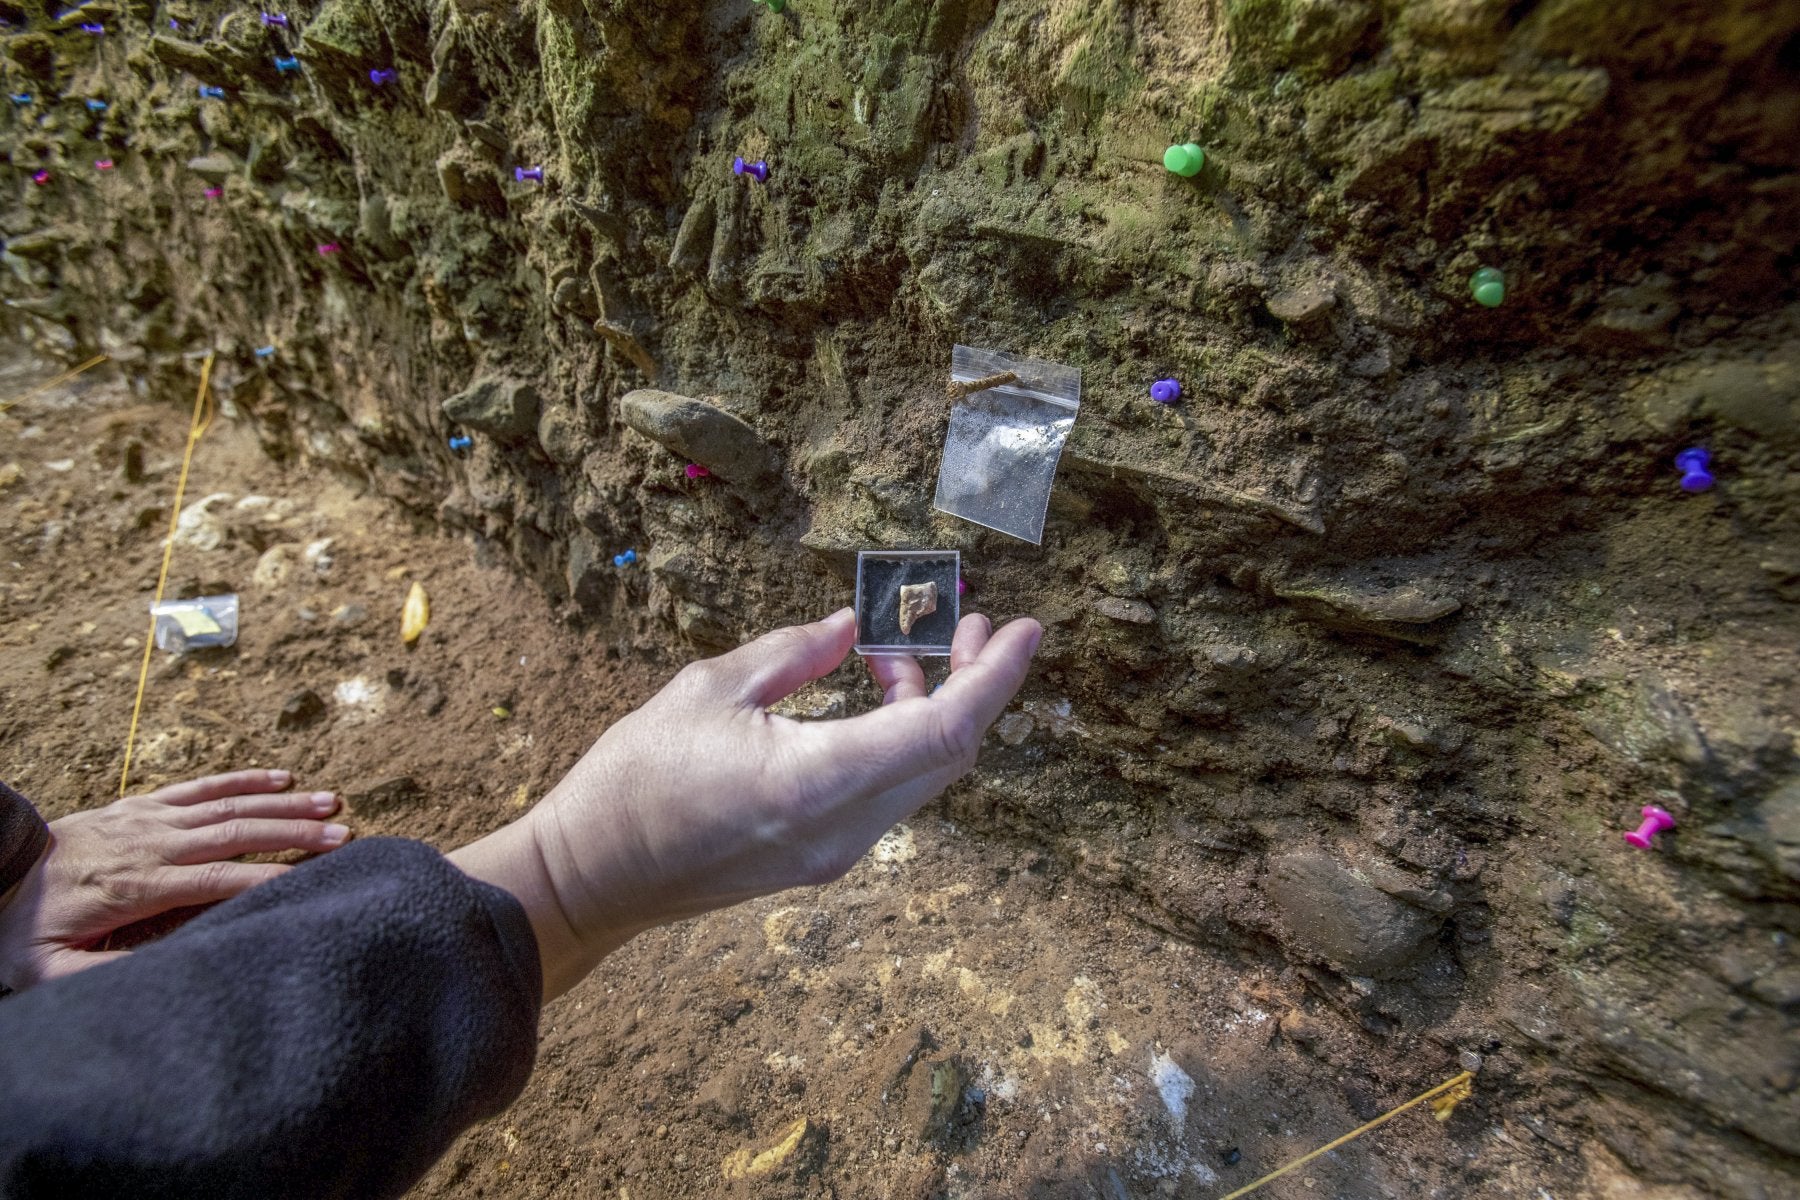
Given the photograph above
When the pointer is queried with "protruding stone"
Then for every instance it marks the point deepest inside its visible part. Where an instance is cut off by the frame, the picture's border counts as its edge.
(1136, 612)
(1303, 303)
(502, 408)
(191, 59)
(916, 600)
(700, 432)
(214, 168)
(1333, 911)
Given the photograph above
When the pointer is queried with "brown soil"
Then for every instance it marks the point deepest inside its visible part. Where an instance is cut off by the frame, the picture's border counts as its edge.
(960, 1016)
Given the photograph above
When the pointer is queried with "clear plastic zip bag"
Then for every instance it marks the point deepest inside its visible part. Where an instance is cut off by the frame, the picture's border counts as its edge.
(1005, 440)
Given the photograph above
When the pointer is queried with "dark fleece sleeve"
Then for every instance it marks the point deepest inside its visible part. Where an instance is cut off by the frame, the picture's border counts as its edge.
(325, 1034)
(23, 836)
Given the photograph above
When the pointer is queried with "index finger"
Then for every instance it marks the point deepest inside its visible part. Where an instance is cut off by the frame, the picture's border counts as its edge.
(217, 787)
(906, 741)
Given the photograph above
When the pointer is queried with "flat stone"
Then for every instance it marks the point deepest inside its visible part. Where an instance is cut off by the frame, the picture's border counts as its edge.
(394, 792)
(1119, 608)
(300, 710)
(194, 60)
(503, 408)
(1333, 911)
(700, 432)
(214, 168)
(1302, 303)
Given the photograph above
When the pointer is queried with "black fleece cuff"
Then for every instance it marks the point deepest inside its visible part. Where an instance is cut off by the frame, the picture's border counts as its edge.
(23, 836)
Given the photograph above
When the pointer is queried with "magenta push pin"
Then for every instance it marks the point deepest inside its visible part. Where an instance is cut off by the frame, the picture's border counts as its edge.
(696, 471)
(962, 586)
(41, 178)
(521, 174)
(103, 164)
(328, 248)
(756, 170)
(213, 193)
(1655, 821)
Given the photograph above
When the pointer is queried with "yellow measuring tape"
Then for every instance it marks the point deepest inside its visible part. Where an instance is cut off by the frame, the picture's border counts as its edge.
(196, 430)
(1458, 1089)
(50, 383)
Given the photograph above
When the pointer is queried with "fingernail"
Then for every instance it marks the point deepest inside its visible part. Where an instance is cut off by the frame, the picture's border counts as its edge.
(281, 778)
(335, 835)
(324, 801)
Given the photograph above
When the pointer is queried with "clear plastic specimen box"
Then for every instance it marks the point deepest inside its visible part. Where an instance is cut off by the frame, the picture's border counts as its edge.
(196, 624)
(906, 601)
(1004, 442)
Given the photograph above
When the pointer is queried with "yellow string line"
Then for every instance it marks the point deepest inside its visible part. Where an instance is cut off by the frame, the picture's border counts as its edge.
(1353, 1134)
(196, 430)
(63, 378)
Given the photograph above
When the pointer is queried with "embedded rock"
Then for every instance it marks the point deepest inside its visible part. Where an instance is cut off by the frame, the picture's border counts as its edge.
(1335, 912)
(503, 408)
(701, 432)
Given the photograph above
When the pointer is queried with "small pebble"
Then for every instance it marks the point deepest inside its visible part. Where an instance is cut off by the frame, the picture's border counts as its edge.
(1488, 286)
(521, 174)
(1692, 464)
(758, 170)
(1230, 1157)
(1185, 160)
(1166, 391)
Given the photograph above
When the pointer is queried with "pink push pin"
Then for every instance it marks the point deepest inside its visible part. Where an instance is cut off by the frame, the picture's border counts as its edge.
(1655, 821)
(214, 193)
(696, 471)
(41, 178)
(325, 248)
(103, 164)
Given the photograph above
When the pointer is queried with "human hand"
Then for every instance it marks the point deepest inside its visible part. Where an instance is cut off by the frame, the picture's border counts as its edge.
(110, 867)
(702, 798)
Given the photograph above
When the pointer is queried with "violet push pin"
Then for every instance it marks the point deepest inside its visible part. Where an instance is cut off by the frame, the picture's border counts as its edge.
(284, 65)
(1655, 821)
(41, 178)
(757, 170)
(381, 75)
(696, 471)
(327, 248)
(277, 19)
(103, 164)
(209, 92)
(521, 174)
(1166, 391)
(1692, 465)
(460, 442)
(95, 29)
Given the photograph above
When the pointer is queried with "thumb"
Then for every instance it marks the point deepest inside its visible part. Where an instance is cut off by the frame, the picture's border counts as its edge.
(774, 665)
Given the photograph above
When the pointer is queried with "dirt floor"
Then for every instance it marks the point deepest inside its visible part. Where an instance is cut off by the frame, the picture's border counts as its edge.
(957, 1017)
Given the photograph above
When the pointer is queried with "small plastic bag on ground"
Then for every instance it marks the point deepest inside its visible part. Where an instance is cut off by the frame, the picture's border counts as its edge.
(1004, 442)
(196, 624)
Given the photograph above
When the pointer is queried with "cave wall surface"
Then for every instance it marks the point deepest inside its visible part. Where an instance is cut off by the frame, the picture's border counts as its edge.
(1358, 659)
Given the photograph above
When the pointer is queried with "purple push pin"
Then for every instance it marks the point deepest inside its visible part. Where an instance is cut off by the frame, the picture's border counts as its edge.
(696, 471)
(270, 18)
(41, 178)
(325, 248)
(1166, 391)
(91, 27)
(1692, 465)
(1655, 821)
(962, 586)
(758, 170)
(521, 174)
(381, 75)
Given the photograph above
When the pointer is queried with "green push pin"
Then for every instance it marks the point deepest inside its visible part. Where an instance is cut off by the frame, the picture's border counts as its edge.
(1488, 286)
(1185, 161)
(775, 6)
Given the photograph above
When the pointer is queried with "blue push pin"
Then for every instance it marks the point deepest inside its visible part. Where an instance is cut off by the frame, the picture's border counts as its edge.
(625, 559)
(209, 92)
(460, 442)
(1166, 391)
(381, 75)
(284, 65)
(756, 170)
(264, 352)
(20, 98)
(96, 106)
(90, 27)
(1692, 465)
